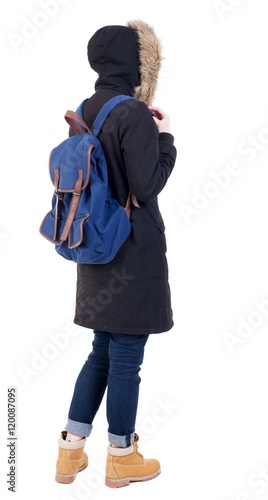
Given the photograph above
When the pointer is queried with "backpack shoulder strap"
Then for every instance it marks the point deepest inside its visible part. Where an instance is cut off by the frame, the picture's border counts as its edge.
(105, 111)
(79, 110)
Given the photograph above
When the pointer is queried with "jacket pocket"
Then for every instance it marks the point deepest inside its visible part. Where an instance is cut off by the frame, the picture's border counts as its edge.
(155, 214)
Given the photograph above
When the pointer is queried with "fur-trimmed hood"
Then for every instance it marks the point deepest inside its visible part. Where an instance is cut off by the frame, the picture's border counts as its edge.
(127, 59)
(150, 57)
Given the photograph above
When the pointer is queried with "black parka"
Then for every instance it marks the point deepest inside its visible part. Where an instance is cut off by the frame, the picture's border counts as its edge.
(131, 294)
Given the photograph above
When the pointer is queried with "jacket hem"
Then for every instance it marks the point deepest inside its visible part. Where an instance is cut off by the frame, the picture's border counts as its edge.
(125, 331)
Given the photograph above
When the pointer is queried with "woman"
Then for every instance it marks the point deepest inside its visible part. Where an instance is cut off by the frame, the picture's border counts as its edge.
(128, 299)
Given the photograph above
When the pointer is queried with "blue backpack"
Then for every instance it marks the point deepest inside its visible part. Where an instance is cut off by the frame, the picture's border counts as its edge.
(86, 224)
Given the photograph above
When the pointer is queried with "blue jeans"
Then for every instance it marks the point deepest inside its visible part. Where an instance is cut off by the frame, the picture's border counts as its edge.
(114, 363)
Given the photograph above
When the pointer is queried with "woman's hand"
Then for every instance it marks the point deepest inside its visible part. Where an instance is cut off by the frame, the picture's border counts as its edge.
(161, 119)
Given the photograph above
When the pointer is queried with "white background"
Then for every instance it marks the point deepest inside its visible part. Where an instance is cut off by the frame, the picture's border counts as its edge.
(203, 406)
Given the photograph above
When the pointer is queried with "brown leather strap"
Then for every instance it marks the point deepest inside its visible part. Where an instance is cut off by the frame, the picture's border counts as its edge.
(73, 207)
(72, 118)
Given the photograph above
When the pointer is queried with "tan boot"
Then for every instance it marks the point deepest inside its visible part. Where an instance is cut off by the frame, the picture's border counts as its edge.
(71, 459)
(126, 465)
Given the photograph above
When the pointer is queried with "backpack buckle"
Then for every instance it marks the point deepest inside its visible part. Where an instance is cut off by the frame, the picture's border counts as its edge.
(59, 195)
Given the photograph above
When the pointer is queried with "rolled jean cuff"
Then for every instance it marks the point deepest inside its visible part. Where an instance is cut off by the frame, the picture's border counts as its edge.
(79, 428)
(122, 441)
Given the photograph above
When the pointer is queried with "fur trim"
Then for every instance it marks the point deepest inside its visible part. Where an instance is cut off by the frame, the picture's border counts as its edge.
(70, 445)
(120, 452)
(150, 61)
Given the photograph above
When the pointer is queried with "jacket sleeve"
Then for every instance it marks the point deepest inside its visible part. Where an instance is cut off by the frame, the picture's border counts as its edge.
(149, 156)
